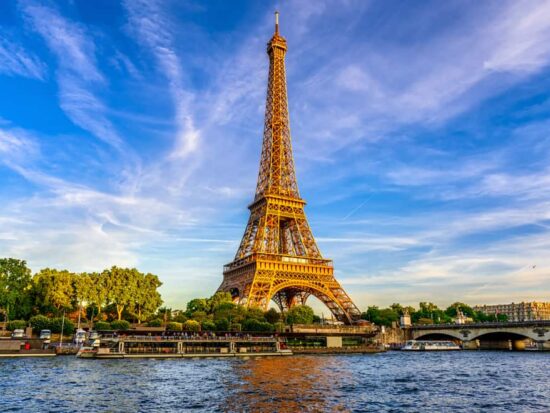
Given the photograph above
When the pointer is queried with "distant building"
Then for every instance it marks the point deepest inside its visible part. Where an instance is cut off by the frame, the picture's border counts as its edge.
(518, 311)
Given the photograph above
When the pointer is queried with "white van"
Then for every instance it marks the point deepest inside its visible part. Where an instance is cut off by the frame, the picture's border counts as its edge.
(18, 333)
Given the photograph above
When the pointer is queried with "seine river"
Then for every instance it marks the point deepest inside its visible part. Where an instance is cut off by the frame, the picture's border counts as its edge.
(391, 382)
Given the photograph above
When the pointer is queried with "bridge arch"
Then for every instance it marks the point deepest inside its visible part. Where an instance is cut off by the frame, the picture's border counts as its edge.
(437, 335)
(504, 334)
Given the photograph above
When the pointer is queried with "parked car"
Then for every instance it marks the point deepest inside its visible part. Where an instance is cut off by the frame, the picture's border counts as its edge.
(46, 335)
(18, 333)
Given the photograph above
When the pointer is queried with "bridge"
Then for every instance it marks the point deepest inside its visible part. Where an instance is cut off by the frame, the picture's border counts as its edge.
(498, 335)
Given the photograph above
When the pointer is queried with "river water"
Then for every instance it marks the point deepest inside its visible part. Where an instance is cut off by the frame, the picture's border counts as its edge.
(477, 381)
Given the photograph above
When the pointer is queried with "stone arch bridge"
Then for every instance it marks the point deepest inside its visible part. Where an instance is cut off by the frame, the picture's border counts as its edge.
(490, 335)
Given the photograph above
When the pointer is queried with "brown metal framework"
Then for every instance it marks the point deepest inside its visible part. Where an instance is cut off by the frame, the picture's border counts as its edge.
(278, 257)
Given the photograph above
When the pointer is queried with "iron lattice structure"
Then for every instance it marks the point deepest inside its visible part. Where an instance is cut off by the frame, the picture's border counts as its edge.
(278, 257)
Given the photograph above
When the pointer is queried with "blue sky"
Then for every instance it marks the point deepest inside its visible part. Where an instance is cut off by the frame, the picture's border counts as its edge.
(130, 135)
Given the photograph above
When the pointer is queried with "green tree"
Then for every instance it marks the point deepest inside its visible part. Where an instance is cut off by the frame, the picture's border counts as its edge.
(300, 314)
(452, 310)
(147, 298)
(208, 325)
(197, 304)
(216, 300)
(256, 325)
(382, 317)
(99, 292)
(165, 314)
(54, 289)
(40, 322)
(272, 316)
(15, 284)
(123, 285)
(83, 290)
(192, 325)
(255, 314)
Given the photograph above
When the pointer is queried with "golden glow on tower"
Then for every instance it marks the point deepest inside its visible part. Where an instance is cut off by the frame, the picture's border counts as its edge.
(278, 257)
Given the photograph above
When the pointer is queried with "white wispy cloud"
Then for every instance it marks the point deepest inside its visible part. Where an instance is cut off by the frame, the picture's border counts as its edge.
(77, 72)
(148, 21)
(16, 61)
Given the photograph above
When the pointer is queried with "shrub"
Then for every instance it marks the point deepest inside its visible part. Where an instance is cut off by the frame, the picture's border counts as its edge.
(192, 325)
(222, 324)
(174, 326)
(120, 325)
(154, 323)
(256, 325)
(102, 326)
(236, 327)
(208, 326)
(17, 324)
(180, 318)
(40, 322)
(56, 323)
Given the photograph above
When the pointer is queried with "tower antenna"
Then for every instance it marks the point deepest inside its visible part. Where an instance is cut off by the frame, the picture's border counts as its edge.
(277, 22)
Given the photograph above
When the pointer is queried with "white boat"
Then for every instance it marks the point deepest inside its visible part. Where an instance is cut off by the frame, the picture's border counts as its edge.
(430, 345)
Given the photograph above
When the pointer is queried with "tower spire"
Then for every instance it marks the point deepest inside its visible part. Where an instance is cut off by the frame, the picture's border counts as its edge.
(276, 22)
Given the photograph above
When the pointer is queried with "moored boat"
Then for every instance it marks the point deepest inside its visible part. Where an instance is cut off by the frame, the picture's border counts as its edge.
(430, 345)
(178, 347)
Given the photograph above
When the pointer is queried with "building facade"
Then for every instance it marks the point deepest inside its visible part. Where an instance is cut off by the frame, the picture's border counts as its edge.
(524, 311)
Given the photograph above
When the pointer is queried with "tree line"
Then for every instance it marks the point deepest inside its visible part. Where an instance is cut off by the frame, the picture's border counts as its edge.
(110, 299)
(427, 313)
(112, 293)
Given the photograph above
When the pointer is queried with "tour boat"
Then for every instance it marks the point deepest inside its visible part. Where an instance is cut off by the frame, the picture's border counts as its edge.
(180, 346)
(430, 345)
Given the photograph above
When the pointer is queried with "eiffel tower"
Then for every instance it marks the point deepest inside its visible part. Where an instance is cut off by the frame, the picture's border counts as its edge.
(278, 258)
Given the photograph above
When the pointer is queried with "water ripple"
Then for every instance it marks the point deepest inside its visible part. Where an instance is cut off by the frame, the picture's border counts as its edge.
(391, 382)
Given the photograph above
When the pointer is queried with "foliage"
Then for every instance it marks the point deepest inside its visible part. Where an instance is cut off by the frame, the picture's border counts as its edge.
(15, 282)
(272, 316)
(222, 324)
(154, 323)
(180, 317)
(57, 322)
(102, 326)
(252, 324)
(192, 325)
(174, 326)
(53, 290)
(197, 304)
(199, 316)
(165, 314)
(120, 325)
(16, 324)
(218, 299)
(208, 325)
(301, 314)
(381, 317)
(432, 312)
(40, 322)
(279, 327)
(235, 327)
